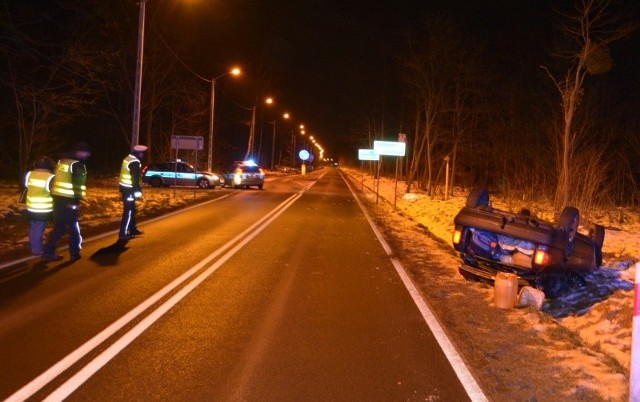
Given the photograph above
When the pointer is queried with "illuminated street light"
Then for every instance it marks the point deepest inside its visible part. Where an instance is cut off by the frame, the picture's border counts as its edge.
(235, 71)
(252, 130)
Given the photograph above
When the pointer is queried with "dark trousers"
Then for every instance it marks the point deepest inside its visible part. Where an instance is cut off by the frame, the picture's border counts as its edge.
(65, 216)
(128, 223)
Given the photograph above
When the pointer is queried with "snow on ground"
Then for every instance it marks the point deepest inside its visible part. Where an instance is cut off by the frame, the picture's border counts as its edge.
(102, 206)
(599, 310)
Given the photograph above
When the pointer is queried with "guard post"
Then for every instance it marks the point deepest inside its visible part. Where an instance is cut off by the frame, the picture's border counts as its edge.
(634, 376)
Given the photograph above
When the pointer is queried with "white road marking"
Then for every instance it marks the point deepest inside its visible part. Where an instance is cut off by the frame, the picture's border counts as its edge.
(464, 375)
(80, 377)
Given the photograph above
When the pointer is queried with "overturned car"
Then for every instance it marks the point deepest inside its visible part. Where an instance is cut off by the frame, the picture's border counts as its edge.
(540, 253)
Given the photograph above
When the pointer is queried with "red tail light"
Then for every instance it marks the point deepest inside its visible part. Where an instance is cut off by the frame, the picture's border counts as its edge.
(541, 257)
(457, 236)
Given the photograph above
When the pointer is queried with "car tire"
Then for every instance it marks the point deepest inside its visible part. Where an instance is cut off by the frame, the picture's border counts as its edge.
(555, 284)
(203, 183)
(478, 196)
(568, 222)
(259, 186)
(597, 235)
(155, 182)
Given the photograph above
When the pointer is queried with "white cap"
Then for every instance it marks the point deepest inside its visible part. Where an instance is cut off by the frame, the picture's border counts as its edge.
(139, 148)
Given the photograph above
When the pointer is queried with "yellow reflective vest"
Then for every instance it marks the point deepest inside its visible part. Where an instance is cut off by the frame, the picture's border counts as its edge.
(126, 180)
(38, 183)
(71, 179)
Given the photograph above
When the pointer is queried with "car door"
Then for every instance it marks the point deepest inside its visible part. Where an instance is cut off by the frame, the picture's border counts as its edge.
(168, 174)
(185, 175)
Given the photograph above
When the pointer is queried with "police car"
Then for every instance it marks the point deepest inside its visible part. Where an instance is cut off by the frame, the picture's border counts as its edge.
(244, 174)
(178, 173)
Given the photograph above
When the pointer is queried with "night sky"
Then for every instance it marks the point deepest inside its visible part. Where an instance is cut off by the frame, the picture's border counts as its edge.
(325, 60)
(323, 57)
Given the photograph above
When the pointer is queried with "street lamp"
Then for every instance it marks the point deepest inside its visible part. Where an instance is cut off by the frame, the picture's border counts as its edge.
(135, 132)
(293, 144)
(252, 130)
(235, 71)
(273, 138)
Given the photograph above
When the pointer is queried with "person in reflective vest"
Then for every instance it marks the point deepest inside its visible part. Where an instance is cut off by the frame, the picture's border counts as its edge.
(131, 191)
(69, 188)
(39, 200)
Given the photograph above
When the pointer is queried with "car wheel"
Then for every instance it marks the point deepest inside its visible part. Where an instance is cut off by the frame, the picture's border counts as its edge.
(478, 196)
(555, 284)
(597, 235)
(203, 183)
(155, 182)
(260, 186)
(569, 219)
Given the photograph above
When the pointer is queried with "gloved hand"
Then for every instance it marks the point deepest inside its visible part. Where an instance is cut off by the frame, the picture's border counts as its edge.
(137, 194)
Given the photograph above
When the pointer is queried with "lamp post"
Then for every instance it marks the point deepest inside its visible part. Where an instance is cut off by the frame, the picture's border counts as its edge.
(293, 144)
(235, 71)
(135, 132)
(252, 130)
(273, 138)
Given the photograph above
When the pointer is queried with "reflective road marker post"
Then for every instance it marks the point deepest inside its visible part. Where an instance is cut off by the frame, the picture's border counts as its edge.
(634, 377)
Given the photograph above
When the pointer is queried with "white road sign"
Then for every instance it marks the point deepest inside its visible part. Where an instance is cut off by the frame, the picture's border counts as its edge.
(390, 148)
(187, 142)
(368, 155)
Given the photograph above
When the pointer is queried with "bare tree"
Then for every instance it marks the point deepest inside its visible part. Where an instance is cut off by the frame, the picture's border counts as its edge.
(439, 71)
(590, 29)
(53, 76)
(425, 75)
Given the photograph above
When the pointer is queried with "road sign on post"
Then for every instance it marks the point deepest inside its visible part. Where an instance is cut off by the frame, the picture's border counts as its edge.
(368, 155)
(390, 148)
(187, 142)
(304, 155)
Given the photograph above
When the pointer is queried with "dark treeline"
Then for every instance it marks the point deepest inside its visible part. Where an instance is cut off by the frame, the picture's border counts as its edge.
(531, 100)
(67, 72)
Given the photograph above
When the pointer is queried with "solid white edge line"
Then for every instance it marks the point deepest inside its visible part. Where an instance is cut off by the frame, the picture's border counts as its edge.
(464, 375)
(39, 382)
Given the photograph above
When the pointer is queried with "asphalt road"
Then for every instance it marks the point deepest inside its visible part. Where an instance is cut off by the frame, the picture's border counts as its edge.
(284, 294)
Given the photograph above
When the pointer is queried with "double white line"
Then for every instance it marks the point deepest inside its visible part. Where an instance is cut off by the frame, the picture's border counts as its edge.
(97, 363)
